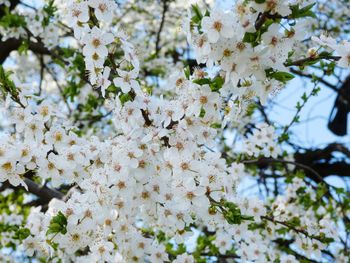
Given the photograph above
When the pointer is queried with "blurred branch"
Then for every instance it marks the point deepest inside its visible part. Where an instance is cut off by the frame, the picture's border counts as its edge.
(42, 192)
(323, 161)
(165, 9)
(311, 76)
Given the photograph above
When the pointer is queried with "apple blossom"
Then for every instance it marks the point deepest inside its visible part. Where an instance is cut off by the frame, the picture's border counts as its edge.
(136, 175)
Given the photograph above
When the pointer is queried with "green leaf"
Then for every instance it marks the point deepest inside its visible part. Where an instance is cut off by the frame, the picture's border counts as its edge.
(284, 137)
(304, 97)
(125, 97)
(281, 76)
(202, 113)
(303, 12)
(217, 83)
(250, 37)
(23, 48)
(58, 224)
(197, 18)
(216, 125)
(50, 10)
(202, 81)
(187, 72)
(233, 214)
(22, 233)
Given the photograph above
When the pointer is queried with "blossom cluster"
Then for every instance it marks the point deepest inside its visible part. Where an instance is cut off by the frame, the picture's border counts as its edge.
(251, 56)
(342, 49)
(24, 24)
(263, 141)
(96, 41)
(159, 174)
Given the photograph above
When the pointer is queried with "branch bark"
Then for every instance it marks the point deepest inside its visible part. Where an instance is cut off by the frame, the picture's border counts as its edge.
(13, 44)
(316, 163)
(324, 163)
(165, 9)
(42, 192)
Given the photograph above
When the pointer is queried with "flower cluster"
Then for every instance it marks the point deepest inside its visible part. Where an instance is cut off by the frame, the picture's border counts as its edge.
(24, 24)
(139, 192)
(263, 141)
(250, 53)
(96, 41)
(342, 49)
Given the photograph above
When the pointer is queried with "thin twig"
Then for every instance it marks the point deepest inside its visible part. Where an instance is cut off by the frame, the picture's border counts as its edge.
(165, 9)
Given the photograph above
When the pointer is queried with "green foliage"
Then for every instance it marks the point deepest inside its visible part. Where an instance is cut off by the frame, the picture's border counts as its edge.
(24, 47)
(254, 38)
(18, 232)
(202, 113)
(173, 250)
(156, 71)
(71, 90)
(187, 72)
(281, 76)
(12, 20)
(232, 213)
(50, 10)
(306, 11)
(125, 97)
(299, 106)
(21, 233)
(7, 86)
(92, 103)
(58, 224)
(204, 243)
(251, 37)
(215, 84)
(197, 17)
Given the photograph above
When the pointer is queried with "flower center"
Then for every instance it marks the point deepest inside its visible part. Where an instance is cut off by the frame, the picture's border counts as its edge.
(185, 166)
(190, 195)
(203, 99)
(44, 110)
(76, 13)
(58, 136)
(101, 250)
(50, 166)
(201, 42)
(75, 237)
(274, 41)
(126, 78)
(227, 52)
(95, 56)
(217, 26)
(7, 166)
(102, 7)
(179, 82)
(121, 185)
(240, 46)
(271, 4)
(96, 42)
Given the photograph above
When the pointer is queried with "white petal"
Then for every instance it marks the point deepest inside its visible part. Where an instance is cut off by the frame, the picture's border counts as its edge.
(213, 36)
(227, 32)
(206, 23)
(107, 38)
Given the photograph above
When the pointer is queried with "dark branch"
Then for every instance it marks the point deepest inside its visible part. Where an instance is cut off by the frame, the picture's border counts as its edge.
(323, 161)
(165, 9)
(42, 192)
(13, 44)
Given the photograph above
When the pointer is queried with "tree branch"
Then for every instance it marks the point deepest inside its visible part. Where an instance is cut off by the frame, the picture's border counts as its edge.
(323, 161)
(165, 9)
(42, 192)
